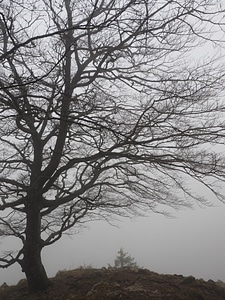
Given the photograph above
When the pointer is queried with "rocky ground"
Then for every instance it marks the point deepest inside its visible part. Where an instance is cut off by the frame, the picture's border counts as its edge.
(113, 284)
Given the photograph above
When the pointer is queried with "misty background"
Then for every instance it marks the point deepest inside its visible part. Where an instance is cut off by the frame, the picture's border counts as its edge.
(190, 243)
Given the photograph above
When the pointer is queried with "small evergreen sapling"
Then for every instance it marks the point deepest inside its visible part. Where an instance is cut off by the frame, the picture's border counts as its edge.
(123, 260)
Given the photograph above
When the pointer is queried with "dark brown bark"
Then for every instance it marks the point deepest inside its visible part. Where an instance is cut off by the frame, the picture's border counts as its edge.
(32, 266)
(31, 263)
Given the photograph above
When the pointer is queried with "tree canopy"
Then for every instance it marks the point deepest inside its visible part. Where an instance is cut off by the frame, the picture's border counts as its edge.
(106, 107)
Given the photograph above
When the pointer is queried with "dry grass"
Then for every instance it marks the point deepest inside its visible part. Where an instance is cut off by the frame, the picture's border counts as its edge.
(109, 284)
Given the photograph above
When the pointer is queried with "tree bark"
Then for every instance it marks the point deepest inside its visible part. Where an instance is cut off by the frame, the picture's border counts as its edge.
(31, 263)
(37, 278)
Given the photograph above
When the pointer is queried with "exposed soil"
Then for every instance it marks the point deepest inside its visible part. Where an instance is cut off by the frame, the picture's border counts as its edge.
(121, 284)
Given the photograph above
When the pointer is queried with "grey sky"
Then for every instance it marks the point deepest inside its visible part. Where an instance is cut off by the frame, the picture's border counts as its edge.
(191, 243)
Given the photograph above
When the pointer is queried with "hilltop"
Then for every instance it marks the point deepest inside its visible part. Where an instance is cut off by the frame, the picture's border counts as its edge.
(112, 284)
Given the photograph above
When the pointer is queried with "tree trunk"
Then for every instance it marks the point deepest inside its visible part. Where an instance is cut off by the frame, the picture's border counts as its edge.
(31, 263)
(35, 272)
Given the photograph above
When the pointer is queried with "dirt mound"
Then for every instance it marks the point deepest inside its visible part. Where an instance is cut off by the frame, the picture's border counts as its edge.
(112, 284)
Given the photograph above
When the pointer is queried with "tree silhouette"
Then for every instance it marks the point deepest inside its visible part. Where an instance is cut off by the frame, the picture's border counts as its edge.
(123, 260)
(104, 110)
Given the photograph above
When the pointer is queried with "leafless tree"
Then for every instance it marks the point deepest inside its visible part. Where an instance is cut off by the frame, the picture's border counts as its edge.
(106, 107)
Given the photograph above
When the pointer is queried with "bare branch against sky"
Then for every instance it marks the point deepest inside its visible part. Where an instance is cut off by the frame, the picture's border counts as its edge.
(106, 108)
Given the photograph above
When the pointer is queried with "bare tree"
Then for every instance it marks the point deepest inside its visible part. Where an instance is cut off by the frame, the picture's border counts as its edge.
(104, 109)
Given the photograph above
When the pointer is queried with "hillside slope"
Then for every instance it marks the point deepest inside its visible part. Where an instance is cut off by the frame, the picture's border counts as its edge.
(112, 284)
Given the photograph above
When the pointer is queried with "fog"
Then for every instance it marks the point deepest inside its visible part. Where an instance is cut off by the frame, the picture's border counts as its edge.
(190, 243)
